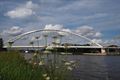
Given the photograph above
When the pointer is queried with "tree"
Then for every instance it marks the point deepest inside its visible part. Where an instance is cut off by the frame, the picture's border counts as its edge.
(1, 43)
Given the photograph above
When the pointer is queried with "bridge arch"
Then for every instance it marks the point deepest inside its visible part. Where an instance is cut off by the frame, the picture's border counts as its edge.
(52, 30)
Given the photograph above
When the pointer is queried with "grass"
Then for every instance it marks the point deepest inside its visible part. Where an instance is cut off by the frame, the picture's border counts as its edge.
(13, 66)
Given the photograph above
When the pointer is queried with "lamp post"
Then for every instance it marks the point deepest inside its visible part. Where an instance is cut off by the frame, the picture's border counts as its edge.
(37, 38)
(45, 36)
(32, 43)
(61, 36)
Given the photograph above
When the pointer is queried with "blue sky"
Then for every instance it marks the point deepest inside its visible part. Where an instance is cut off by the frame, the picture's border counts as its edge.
(99, 17)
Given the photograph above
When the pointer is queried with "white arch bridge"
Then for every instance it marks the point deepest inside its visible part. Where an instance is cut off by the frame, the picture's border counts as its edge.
(94, 44)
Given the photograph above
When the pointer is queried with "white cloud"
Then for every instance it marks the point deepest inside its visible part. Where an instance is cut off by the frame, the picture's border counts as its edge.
(57, 27)
(97, 40)
(22, 11)
(98, 34)
(64, 33)
(53, 27)
(83, 30)
(88, 31)
(13, 31)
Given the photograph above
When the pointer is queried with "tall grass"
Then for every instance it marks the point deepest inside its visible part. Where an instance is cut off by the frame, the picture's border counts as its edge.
(13, 66)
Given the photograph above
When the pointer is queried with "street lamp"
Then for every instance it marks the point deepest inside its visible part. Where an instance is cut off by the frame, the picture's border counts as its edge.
(61, 36)
(45, 36)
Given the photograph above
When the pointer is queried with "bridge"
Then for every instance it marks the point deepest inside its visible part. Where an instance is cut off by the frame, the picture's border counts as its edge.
(55, 43)
(54, 46)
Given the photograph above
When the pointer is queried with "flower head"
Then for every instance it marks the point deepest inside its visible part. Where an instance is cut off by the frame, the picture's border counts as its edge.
(41, 63)
(67, 63)
(44, 75)
(72, 61)
(35, 54)
(69, 68)
(34, 63)
(47, 78)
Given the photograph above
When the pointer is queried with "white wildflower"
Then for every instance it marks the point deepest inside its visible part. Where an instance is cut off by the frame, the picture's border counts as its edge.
(72, 61)
(26, 51)
(74, 65)
(35, 54)
(34, 63)
(47, 78)
(44, 75)
(41, 63)
(67, 63)
(69, 68)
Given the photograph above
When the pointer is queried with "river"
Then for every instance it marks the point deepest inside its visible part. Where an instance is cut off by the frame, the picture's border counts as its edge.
(96, 67)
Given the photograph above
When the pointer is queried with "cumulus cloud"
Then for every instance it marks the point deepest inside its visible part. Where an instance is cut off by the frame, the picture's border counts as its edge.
(84, 30)
(54, 27)
(13, 31)
(22, 11)
(88, 31)
(57, 27)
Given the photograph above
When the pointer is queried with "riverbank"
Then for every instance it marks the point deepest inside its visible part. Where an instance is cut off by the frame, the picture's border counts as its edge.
(95, 54)
(100, 54)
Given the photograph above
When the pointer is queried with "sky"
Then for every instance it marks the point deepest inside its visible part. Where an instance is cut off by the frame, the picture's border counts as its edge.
(98, 20)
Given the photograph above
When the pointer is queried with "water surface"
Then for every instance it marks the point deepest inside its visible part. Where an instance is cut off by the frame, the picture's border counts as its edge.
(95, 67)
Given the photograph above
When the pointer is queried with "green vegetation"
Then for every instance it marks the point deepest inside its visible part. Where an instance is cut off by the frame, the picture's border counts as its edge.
(13, 66)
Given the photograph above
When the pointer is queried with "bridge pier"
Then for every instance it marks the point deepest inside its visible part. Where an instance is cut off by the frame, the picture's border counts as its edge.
(103, 51)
